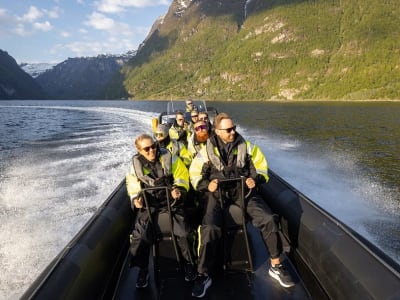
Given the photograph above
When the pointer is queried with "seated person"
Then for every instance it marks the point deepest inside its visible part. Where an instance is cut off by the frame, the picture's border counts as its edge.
(180, 129)
(189, 105)
(227, 155)
(194, 117)
(198, 138)
(176, 148)
(154, 167)
(203, 116)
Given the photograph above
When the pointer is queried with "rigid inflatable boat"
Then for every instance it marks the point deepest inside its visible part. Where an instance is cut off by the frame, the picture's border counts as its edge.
(327, 259)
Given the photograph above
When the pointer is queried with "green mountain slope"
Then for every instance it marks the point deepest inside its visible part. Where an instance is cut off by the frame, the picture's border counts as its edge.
(268, 50)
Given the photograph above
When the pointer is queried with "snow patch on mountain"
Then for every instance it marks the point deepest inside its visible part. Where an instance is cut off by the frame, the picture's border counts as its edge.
(35, 69)
(182, 5)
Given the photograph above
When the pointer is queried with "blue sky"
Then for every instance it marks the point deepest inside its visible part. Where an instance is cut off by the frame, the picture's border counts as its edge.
(53, 30)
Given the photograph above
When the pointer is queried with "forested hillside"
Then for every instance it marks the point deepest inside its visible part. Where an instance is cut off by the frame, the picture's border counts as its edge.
(80, 77)
(14, 82)
(259, 50)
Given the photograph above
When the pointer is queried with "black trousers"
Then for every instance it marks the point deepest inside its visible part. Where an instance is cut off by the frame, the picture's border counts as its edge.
(142, 236)
(228, 211)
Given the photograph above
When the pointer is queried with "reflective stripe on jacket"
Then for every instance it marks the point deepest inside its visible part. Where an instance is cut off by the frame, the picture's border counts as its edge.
(210, 155)
(179, 149)
(176, 132)
(171, 165)
(194, 147)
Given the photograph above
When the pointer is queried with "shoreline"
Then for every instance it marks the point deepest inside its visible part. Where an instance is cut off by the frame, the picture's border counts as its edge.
(271, 100)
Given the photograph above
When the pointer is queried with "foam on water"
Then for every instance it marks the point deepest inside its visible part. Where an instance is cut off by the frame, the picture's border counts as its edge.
(51, 187)
(53, 184)
(333, 181)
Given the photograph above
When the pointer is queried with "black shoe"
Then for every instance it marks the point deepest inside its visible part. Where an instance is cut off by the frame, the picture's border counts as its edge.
(282, 275)
(143, 279)
(190, 272)
(202, 283)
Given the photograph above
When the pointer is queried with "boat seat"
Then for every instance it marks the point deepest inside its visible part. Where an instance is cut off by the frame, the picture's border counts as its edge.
(235, 243)
(166, 262)
(166, 256)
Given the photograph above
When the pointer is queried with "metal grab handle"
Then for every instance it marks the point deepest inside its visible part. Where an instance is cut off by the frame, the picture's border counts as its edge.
(242, 179)
(243, 210)
(169, 205)
(153, 188)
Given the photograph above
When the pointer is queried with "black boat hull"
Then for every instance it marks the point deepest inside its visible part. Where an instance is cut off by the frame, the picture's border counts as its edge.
(331, 260)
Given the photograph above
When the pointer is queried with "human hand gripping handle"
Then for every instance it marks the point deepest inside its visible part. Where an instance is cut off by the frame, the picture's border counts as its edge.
(175, 193)
(250, 183)
(138, 202)
(213, 185)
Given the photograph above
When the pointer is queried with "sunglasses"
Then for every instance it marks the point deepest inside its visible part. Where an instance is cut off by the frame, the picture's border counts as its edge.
(200, 127)
(203, 119)
(195, 116)
(147, 149)
(229, 130)
(159, 134)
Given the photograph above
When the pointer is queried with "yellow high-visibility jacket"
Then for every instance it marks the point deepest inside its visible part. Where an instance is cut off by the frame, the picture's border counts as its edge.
(170, 164)
(179, 149)
(211, 155)
(179, 133)
(194, 147)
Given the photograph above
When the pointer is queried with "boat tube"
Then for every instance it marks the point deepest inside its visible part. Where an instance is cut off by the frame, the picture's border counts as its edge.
(331, 260)
(327, 259)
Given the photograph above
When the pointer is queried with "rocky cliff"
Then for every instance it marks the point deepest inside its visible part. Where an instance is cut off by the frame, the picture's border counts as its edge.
(15, 83)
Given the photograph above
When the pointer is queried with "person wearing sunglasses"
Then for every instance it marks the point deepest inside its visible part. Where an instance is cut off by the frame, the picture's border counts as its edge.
(203, 116)
(189, 105)
(194, 117)
(180, 129)
(228, 155)
(198, 138)
(157, 167)
(175, 147)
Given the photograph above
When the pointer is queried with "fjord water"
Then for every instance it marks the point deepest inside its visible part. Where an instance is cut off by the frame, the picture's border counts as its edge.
(59, 160)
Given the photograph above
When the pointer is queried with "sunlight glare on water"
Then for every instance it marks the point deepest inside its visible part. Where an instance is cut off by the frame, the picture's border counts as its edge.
(52, 185)
(62, 162)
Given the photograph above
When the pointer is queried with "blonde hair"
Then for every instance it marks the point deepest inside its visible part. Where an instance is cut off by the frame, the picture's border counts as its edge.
(218, 119)
(140, 138)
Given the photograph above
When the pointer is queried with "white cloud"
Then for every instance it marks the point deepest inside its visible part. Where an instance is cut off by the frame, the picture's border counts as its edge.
(5, 22)
(32, 15)
(119, 38)
(42, 26)
(3, 12)
(115, 6)
(100, 21)
(94, 48)
(104, 23)
(31, 22)
(53, 13)
(20, 30)
(65, 34)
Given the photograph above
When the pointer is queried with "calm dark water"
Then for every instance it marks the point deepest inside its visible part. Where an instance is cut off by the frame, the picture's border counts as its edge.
(369, 133)
(366, 133)
(59, 160)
